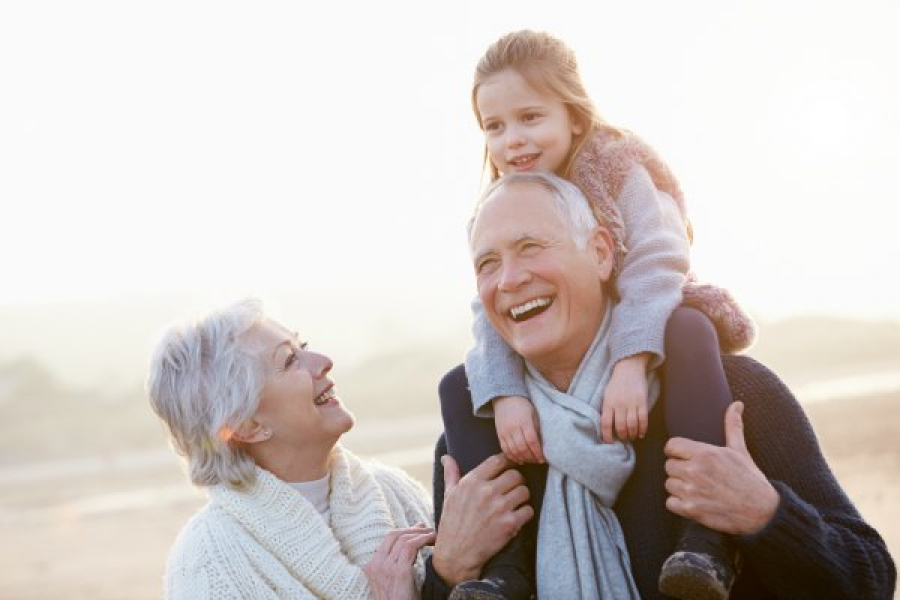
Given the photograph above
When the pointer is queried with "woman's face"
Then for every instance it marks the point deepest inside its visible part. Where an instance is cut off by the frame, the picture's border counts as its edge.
(298, 403)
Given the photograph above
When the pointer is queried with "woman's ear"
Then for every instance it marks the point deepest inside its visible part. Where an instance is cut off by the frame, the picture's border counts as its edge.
(251, 432)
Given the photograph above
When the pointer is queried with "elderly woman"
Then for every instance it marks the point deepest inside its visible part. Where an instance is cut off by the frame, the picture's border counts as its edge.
(291, 513)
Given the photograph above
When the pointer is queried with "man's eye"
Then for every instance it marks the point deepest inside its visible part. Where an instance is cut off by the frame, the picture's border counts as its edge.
(486, 265)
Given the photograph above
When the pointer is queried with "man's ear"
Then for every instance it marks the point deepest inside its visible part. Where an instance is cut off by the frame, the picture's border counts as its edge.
(602, 243)
(251, 432)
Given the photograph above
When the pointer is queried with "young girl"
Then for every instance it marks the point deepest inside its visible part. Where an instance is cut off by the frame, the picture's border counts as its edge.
(536, 115)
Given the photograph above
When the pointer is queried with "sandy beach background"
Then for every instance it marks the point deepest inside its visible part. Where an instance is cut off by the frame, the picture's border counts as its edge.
(91, 498)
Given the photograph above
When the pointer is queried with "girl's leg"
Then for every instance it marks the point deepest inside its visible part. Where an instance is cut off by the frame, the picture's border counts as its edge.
(696, 396)
(696, 391)
(470, 439)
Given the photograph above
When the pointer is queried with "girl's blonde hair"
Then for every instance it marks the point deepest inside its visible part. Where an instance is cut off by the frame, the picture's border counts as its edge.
(548, 65)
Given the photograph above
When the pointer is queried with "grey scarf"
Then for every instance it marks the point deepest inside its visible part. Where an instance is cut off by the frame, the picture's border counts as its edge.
(581, 548)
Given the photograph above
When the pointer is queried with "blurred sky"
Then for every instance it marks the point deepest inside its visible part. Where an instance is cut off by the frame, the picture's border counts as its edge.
(328, 149)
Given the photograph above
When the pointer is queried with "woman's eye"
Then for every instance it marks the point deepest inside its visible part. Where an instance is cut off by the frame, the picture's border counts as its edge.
(294, 356)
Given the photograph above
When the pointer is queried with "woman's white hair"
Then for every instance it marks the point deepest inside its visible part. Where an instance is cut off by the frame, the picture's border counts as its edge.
(568, 201)
(205, 380)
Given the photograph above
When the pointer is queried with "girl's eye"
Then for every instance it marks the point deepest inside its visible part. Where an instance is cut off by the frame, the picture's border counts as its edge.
(492, 127)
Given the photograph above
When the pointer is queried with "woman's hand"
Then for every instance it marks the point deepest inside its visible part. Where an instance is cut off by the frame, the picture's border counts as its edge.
(390, 571)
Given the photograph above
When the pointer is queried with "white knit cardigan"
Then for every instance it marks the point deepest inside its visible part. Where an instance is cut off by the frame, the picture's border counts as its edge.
(268, 541)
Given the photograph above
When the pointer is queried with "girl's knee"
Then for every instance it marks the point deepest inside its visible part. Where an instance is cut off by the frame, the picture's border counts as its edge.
(688, 328)
(453, 391)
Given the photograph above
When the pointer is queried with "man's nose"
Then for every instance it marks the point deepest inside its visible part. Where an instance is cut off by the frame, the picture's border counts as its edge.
(512, 275)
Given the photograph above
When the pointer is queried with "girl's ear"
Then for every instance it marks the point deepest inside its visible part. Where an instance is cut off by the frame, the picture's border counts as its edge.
(577, 126)
(251, 432)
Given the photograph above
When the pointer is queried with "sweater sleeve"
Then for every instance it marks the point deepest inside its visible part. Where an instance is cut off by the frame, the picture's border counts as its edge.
(653, 271)
(492, 367)
(817, 545)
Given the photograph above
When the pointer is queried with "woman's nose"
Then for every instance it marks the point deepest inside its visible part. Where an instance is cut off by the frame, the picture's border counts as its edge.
(321, 365)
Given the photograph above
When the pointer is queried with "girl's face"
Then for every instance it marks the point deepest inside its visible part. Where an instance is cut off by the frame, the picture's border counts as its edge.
(524, 129)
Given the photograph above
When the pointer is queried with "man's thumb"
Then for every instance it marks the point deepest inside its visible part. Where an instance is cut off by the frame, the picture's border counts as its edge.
(451, 472)
(734, 427)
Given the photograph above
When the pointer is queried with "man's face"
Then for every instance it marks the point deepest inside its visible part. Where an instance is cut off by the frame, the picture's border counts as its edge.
(542, 293)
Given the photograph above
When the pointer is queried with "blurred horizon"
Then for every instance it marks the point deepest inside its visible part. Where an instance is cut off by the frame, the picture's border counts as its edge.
(108, 344)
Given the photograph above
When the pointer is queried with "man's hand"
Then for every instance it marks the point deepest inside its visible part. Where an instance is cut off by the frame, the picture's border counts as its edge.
(720, 487)
(390, 570)
(625, 401)
(518, 429)
(482, 512)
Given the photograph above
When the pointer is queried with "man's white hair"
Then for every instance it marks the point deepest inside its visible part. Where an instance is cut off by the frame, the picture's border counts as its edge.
(204, 382)
(568, 201)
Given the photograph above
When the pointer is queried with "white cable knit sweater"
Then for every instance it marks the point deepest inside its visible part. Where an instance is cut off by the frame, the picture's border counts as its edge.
(270, 542)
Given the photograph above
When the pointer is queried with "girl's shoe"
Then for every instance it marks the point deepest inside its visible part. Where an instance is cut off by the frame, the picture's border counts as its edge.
(703, 567)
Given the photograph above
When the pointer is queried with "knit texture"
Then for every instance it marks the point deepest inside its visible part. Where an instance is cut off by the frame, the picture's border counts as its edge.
(601, 170)
(268, 541)
(816, 546)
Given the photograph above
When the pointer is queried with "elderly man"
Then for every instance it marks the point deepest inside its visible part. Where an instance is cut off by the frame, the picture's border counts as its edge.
(769, 486)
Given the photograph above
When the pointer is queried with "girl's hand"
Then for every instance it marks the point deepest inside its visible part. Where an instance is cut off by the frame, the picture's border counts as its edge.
(518, 429)
(624, 412)
(390, 571)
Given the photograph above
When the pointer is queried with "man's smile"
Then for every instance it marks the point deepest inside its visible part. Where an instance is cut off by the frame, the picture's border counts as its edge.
(532, 308)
